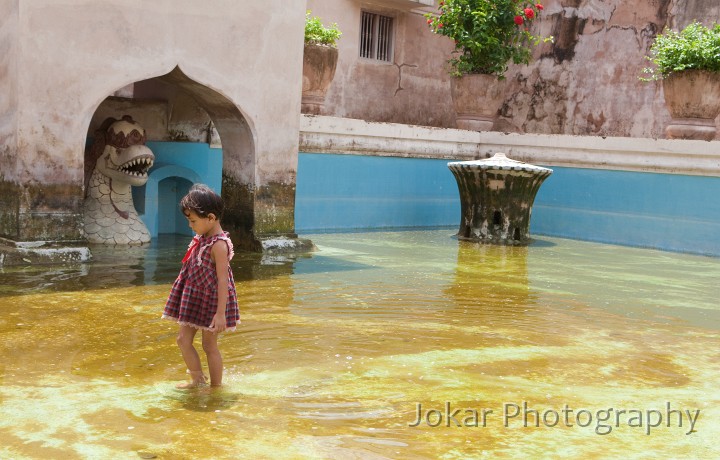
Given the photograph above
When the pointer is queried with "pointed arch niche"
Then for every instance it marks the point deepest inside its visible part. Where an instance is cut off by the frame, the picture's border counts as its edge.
(197, 135)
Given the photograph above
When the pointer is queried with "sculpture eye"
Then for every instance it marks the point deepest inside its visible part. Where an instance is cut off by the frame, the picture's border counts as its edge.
(114, 156)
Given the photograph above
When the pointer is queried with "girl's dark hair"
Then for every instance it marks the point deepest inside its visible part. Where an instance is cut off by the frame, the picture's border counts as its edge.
(202, 201)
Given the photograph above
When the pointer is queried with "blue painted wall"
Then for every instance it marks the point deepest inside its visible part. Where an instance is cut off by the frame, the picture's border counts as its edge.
(177, 166)
(206, 162)
(336, 192)
(665, 211)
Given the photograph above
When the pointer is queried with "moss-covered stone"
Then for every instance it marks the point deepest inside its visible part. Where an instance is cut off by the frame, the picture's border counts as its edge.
(496, 198)
(52, 198)
(9, 209)
(255, 218)
(12, 253)
(238, 217)
(275, 210)
(50, 226)
(50, 212)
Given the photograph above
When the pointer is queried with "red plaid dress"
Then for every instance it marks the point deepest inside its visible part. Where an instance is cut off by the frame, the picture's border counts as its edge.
(193, 297)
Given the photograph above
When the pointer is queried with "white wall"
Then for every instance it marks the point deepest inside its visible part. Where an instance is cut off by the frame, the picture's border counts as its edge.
(72, 55)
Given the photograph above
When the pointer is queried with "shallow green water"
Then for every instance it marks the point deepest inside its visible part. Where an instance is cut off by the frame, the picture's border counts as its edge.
(337, 350)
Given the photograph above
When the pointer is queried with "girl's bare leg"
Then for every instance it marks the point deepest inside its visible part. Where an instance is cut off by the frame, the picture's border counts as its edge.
(214, 358)
(190, 356)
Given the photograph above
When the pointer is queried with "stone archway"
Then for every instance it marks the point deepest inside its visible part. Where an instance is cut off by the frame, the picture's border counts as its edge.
(162, 207)
(155, 102)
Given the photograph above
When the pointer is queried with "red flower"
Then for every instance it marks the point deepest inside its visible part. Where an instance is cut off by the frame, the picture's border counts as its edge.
(440, 25)
(540, 7)
(529, 13)
(429, 21)
(519, 20)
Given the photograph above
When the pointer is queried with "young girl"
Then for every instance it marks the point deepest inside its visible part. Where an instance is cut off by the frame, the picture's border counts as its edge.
(203, 295)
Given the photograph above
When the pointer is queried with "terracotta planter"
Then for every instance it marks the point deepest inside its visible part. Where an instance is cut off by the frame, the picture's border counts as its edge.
(693, 99)
(319, 63)
(477, 99)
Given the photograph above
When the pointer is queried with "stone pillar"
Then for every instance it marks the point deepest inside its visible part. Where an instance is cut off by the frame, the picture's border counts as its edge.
(496, 198)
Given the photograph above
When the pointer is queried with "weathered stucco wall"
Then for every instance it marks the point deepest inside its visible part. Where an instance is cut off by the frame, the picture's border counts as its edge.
(72, 55)
(683, 12)
(413, 89)
(585, 83)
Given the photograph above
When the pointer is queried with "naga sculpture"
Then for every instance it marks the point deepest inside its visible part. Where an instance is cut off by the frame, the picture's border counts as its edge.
(119, 160)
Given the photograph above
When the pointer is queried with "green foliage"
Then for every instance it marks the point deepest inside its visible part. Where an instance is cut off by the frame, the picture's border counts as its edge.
(488, 34)
(318, 34)
(695, 47)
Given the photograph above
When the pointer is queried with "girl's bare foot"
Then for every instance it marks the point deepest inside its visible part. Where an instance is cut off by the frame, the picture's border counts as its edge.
(198, 380)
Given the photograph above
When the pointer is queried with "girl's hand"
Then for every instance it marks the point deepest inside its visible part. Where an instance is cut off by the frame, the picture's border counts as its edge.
(218, 323)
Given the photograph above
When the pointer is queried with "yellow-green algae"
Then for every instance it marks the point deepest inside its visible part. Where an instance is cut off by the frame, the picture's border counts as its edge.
(336, 350)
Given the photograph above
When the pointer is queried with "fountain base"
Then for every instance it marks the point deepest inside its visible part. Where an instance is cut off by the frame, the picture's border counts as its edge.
(496, 198)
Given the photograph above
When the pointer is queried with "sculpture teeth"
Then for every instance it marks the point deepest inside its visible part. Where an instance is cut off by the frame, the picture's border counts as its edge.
(145, 163)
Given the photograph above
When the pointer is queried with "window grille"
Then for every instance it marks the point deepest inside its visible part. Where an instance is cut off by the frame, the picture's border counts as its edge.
(376, 37)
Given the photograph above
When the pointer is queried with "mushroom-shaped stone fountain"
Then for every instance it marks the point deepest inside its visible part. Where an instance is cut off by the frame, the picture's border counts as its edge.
(496, 198)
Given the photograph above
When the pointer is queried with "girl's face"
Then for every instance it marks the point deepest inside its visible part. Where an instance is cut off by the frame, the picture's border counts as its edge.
(200, 225)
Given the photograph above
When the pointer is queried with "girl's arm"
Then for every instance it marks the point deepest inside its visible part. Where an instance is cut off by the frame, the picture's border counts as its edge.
(219, 254)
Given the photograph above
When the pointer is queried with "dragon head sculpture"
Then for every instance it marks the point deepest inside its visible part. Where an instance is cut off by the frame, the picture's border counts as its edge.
(118, 161)
(119, 151)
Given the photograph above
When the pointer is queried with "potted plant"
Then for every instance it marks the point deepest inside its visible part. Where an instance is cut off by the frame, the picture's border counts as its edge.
(488, 35)
(688, 64)
(320, 58)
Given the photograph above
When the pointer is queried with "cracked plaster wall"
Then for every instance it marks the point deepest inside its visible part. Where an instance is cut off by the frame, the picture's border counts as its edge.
(585, 83)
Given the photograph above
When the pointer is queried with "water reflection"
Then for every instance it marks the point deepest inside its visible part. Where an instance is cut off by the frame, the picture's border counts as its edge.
(491, 278)
(115, 267)
(110, 267)
(336, 349)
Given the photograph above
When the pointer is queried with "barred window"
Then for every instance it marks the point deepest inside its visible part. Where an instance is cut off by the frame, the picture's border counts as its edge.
(376, 37)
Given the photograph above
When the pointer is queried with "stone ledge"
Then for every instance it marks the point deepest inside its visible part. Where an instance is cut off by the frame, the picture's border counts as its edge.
(40, 253)
(285, 245)
(320, 134)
